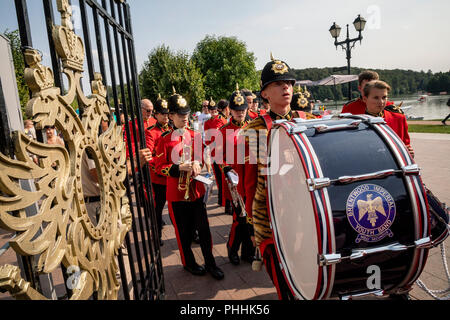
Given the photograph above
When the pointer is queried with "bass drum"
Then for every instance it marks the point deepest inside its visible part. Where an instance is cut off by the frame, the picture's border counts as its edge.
(347, 206)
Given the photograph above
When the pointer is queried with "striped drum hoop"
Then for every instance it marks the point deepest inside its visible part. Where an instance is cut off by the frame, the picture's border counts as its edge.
(347, 206)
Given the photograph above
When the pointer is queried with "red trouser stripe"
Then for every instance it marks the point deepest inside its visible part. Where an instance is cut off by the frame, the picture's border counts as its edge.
(232, 235)
(174, 222)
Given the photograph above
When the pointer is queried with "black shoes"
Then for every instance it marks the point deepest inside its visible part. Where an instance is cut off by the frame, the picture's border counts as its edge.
(196, 270)
(216, 272)
(233, 257)
(443, 122)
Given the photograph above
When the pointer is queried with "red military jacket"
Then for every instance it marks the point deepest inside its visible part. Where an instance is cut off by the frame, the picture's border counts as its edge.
(397, 122)
(252, 114)
(358, 106)
(150, 122)
(232, 141)
(152, 137)
(213, 124)
(168, 155)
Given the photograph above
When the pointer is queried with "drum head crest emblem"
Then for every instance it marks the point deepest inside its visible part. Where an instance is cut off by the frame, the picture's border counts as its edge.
(371, 212)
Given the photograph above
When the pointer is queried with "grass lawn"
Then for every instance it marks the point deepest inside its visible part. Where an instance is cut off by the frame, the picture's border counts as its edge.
(426, 128)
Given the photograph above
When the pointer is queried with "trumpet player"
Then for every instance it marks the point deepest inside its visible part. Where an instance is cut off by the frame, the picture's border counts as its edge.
(241, 230)
(152, 136)
(179, 157)
(215, 123)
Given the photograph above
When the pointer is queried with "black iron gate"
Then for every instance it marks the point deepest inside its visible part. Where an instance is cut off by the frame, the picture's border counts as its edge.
(109, 44)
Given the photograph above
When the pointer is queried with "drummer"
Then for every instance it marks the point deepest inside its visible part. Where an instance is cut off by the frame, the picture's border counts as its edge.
(277, 82)
(375, 94)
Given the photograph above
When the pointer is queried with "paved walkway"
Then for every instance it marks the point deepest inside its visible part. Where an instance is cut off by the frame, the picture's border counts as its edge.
(241, 283)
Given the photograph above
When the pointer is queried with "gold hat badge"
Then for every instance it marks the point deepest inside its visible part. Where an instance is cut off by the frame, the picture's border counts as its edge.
(306, 93)
(302, 101)
(164, 104)
(212, 103)
(278, 66)
(238, 99)
(181, 101)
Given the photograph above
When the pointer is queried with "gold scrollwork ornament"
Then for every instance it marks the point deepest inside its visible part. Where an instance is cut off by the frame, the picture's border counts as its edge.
(62, 231)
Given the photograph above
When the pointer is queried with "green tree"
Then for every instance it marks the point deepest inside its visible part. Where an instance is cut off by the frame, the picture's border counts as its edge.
(19, 67)
(165, 69)
(225, 61)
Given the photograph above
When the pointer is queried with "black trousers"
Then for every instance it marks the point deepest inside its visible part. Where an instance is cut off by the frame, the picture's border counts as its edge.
(186, 217)
(241, 233)
(218, 176)
(159, 191)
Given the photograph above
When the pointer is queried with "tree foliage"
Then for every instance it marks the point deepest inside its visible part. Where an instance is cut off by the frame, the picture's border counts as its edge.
(403, 82)
(225, 61)
(19, 67)
(165, 69)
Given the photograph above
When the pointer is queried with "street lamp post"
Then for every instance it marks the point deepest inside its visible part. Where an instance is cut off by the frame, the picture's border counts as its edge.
(348, 44)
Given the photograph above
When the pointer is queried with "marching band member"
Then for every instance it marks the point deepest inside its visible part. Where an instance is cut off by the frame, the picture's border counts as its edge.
(152, 137)
(224, 109)
(214, 123)
(241, 231)
(179, 157)
(301, 108)
(358, 106)
(252, 107)
(277, 82)
(375, 94)
(148, 121)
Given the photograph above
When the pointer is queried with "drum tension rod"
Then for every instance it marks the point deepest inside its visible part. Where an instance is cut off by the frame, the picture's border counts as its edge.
(320, 183)
(323, 128)
(335, 258)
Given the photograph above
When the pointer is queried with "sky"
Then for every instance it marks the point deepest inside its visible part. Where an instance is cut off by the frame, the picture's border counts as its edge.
(413, 34)
(399, 34)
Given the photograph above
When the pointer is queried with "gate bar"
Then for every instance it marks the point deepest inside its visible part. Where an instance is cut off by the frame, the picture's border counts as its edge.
(127, 132)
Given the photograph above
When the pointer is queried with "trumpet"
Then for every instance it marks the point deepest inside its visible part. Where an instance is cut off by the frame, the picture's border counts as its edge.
(232, 182)
(185, 177)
